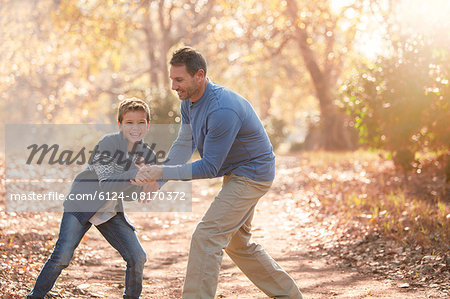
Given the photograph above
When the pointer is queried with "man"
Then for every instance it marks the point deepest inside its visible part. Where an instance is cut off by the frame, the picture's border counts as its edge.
(232, 143)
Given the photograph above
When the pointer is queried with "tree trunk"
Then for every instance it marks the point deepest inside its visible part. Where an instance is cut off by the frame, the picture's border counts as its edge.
(334, 133)
(332, 122)
(165, 27)
(164, 63)
(150, 45)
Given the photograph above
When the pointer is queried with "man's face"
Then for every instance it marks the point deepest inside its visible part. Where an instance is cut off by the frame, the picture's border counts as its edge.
(134, 125)
(187, 86)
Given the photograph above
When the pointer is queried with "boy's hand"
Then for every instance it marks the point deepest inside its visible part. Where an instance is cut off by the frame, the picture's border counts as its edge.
(148, 189)
(151, 187)
(148, 173)
(140, 179)
(136, 183)
(142, 176)
(139, 162)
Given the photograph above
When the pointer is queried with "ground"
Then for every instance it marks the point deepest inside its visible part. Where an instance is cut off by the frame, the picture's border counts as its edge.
(287, 224)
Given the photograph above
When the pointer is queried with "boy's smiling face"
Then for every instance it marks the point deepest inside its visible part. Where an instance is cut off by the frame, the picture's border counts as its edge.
(134, 125)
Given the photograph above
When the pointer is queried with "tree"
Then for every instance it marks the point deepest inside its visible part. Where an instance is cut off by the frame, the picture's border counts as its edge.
(318, 23)
(315, 39)
(401, 103)
(247, 57)
(151, 28)
(63, 59)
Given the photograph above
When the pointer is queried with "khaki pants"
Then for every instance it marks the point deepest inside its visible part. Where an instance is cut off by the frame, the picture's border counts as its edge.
(226, 225)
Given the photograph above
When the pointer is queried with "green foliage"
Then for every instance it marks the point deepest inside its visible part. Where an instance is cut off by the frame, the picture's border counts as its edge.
(296, 147)
(164, 105)
(276, 129)
(401, 103)
(165, 109)
(400, 217)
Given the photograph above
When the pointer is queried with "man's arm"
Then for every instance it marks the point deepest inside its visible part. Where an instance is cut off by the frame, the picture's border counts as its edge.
(182, 148)
(222, 129)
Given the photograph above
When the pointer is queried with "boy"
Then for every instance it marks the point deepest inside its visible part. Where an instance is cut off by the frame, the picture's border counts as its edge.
(108, 173)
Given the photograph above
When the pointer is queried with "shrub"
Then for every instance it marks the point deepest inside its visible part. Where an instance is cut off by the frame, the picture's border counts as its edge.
(401, 102)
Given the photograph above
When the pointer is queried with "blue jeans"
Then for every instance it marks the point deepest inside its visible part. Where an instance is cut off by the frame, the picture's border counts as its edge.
(116, 231)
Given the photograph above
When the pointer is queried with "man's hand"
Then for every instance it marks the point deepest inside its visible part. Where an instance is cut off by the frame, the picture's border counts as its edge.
(147, 174)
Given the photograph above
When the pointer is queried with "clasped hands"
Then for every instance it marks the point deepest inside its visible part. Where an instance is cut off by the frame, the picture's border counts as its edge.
(147, 173)
(147, 176)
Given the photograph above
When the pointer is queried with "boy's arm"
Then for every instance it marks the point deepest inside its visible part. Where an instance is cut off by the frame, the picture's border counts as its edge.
(105, 164)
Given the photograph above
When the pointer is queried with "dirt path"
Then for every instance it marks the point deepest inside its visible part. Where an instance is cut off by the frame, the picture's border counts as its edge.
(286, 224)
(166, 236)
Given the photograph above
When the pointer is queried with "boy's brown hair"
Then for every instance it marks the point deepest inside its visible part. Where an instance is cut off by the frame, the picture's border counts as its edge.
(132, 104)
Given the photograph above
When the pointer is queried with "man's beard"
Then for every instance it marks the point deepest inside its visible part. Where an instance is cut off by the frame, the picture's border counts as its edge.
(190, 92)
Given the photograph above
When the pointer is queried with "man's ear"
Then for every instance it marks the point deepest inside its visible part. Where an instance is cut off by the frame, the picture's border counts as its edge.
(200, 74)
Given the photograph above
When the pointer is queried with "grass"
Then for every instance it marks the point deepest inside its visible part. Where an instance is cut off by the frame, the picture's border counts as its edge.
(366, 188)
(408, 221)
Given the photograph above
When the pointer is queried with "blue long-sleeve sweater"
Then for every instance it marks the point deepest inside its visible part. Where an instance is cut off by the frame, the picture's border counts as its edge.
(227, 133)
(109, 171)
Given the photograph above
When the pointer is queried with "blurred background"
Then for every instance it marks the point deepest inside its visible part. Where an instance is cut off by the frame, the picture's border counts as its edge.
(354, 95)
(333, 75)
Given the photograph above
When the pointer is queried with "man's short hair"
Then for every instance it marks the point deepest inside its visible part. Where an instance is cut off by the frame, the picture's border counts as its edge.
(189, 57)
(132, 104)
